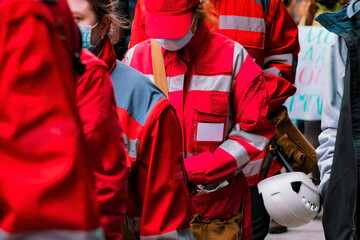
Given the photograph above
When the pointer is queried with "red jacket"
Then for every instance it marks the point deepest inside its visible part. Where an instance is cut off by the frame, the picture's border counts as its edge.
(46, 189)
(220, 98)
(266, 30)
(268, 33)
(104, 142)
(158, 203)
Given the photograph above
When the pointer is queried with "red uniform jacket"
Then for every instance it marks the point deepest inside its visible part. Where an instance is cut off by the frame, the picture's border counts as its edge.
(158, 200)
(45, 177)
(104, 142)
(220, 98)
(268, 33)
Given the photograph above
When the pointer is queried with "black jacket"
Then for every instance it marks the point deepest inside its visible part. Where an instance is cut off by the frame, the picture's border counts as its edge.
(341, 199)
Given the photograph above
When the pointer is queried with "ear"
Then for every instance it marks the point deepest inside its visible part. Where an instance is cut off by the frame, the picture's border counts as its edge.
(104, 27)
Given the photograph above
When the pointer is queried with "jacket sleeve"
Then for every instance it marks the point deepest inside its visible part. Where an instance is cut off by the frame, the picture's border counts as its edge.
(96, 103)
(280, 54)
(251, 132)
(330, 114)
(166, 205)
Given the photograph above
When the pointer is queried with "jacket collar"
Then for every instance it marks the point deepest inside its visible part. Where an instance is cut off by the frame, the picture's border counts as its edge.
(108, 54)
(353, 8)
(338, 22)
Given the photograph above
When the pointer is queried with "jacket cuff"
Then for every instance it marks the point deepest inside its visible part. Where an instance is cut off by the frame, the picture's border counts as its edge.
(195, 173)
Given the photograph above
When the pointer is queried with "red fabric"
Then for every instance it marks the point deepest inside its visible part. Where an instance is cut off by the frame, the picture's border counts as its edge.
(97, 107)
(44, 172)
(213, 205)
(210, 56)
(66, 26)
(161, 175)
(280, 37)
(157, 189)
(108, 55)
(138, 33)
(161, 17)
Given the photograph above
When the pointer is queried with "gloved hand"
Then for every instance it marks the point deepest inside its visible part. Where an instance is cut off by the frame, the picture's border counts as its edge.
(300, 153)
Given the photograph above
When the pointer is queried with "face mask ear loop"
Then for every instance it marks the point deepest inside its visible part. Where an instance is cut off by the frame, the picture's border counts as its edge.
(95, 45)
(95, 25)
(192, 21)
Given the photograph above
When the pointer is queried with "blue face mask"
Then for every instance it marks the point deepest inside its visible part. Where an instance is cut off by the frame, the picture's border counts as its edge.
(178, 43)
(86, 37)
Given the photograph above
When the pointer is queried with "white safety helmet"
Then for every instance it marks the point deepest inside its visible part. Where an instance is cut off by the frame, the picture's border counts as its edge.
(291, 199)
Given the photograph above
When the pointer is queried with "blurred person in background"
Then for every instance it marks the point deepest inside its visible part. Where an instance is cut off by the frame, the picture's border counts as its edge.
(158, 203)
(290, 6)
(314, 8)
(312, 129)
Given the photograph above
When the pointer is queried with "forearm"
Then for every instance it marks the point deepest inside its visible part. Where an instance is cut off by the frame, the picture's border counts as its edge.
(166, 206)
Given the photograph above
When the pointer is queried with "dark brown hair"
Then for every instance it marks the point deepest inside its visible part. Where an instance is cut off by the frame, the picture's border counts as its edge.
(106, 9)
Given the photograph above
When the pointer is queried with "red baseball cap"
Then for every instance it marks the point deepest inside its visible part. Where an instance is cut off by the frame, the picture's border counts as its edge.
(168, 19)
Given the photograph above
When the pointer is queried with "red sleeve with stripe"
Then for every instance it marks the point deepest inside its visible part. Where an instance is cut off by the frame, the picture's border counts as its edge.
(250, 134)
(281, 53)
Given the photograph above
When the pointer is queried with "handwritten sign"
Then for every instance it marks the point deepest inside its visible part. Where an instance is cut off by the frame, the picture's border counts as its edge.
(313, 70)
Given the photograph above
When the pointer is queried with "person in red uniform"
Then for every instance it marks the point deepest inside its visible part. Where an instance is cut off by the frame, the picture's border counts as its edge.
(104, 141)
(269, 34)
(220, 97)
(158, 203)
(46, 189)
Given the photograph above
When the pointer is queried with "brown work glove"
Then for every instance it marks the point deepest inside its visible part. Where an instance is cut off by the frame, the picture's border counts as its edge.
(299, 152)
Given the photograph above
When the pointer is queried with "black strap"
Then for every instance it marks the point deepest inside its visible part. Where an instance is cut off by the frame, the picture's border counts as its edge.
(275, 151)
(270, 160)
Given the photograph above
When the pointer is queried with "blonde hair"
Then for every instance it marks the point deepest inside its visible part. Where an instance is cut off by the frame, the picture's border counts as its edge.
(207, 13)
(106, 9)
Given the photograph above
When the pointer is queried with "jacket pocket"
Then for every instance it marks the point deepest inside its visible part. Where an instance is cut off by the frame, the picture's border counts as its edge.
(209, 122)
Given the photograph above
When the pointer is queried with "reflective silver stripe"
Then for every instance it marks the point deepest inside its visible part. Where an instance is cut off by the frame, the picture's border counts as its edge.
(239, 57)
(254, 167)
(132, 146)
(237, 151)
(190, 154)
(281, 58)
(151, 77)
(129, 55)
(255, 140)
(185, 234)
(54, 235)
(175, 83)
(273, 71)
(186, 154)
(214, 83)
(242, 23)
